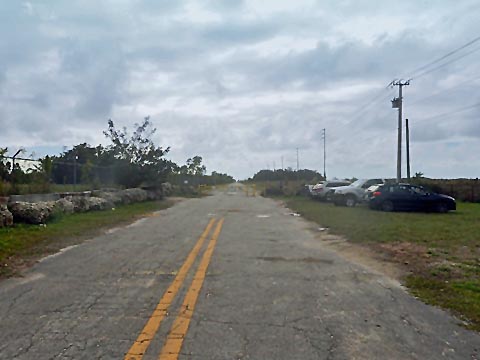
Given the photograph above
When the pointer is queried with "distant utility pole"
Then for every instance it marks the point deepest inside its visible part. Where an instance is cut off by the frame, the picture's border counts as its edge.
(282, 163)
(407, 135)
(274, 166)
(324, 137)
(75, 158)
(397, 103)
(298, 163)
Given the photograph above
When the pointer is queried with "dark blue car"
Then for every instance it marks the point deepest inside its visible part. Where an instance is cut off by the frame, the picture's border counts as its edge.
(406, 197)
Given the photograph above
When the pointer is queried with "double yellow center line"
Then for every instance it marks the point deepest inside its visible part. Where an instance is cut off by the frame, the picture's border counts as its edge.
(173, 344)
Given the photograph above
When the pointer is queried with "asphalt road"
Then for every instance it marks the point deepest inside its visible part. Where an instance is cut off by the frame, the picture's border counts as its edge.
(222, 277)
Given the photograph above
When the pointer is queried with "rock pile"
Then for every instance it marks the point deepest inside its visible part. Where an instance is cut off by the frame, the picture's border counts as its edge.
(40, 212)
(64, 206)
(31, 213)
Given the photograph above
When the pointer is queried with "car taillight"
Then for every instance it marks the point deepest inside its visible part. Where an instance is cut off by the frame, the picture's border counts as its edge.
(377, 193)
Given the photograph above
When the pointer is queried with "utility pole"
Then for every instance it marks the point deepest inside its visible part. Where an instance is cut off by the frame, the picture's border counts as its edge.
(398, 103)
(324, 137)
(298, 163)
(282, 162)
(407, 135)
(75, 158)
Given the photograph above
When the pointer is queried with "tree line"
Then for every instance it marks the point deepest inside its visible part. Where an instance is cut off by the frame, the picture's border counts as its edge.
(131, 159)
(304, 175)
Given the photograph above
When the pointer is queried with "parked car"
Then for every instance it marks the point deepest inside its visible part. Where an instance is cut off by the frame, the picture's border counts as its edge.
(314, 188)
(354, 193)
(325, 189)
(408, 197)
(369, 192)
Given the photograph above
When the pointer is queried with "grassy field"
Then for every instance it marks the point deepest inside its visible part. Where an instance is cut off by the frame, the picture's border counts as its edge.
(23, 243)
(440, 251)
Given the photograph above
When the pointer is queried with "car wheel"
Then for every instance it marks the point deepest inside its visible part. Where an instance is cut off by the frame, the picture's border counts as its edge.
(442, 208)
(350, 201)
(387, 206)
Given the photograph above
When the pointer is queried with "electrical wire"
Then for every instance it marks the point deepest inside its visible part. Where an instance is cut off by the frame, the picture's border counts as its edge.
(366, 108)
(453, 52)
(426, 72)
(444, 91)
(452, 112)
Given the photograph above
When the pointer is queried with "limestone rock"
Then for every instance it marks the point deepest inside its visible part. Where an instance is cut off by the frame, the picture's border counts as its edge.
(96, 203)
(32, 213)
(64, 206)
(133, 195)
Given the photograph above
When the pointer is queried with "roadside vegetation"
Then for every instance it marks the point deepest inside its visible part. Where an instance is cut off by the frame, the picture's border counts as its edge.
(132, 159)
(439, 252)
(22, 244)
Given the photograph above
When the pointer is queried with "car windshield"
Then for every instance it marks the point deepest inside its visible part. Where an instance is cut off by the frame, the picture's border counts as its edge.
(358, 183)
(418, 190)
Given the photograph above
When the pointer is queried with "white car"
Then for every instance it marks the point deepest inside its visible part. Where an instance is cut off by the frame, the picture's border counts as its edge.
(325, 189)
(354, 193)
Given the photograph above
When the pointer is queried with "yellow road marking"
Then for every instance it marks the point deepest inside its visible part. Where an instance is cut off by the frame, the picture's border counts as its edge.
(151, 327)
(178, 331)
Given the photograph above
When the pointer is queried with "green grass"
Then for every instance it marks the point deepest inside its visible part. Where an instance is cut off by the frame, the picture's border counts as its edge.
(359, 224)
(461, 297)
(24, 241)
(446, 274)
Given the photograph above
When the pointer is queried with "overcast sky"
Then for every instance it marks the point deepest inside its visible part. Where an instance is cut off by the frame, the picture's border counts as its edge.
(244, 83)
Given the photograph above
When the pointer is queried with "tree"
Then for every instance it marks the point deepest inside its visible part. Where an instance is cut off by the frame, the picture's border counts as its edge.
(140, 161)
(4, 165)
(195, 167)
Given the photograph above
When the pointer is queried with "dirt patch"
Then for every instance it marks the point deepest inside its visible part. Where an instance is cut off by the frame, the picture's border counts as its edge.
(364, 255)
(415, 256)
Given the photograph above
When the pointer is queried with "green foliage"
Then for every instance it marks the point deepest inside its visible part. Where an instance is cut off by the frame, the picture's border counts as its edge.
(5, 165)
(304, 175)
(131, 160)
(140, 160)
(194, 166)
(193, 173)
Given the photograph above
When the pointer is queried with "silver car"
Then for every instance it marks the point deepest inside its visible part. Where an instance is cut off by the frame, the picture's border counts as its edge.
(325, 189)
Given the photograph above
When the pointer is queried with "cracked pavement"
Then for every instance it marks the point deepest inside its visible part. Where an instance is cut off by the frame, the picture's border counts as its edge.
(272, 291)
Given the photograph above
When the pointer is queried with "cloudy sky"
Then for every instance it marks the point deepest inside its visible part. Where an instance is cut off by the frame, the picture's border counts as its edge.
(244, 83)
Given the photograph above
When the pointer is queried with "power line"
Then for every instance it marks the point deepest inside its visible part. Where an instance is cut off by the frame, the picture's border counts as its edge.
(453, 52)
(378, 98)
(452, 112)
(445, 91)
(426, 72)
